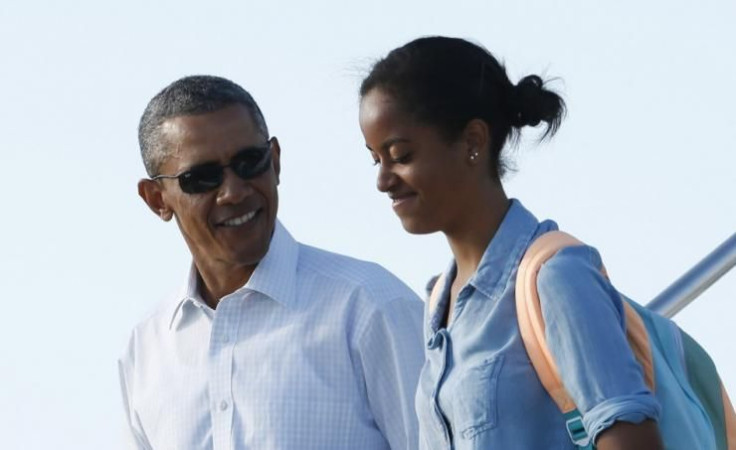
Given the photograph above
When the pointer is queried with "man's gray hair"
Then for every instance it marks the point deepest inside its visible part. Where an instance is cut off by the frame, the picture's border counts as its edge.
(187, 96)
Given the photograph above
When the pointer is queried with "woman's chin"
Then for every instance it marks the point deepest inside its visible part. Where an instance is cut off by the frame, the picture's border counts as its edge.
(415, 225)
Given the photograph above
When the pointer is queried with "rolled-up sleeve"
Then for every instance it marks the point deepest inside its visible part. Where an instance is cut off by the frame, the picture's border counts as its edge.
(586, 335)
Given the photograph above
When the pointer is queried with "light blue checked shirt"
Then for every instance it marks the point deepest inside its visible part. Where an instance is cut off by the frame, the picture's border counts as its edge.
(316, 351)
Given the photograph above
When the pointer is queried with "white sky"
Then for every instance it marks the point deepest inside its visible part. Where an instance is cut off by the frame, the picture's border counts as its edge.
(643, 167)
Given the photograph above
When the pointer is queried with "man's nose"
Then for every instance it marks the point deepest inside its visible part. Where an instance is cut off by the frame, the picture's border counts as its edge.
(233, 189)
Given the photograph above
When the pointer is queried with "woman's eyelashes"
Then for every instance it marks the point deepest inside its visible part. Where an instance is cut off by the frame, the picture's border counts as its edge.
(375, 158)
(404, 158)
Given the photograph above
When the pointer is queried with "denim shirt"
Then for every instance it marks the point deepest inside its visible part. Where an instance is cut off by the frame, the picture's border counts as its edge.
(478, 390)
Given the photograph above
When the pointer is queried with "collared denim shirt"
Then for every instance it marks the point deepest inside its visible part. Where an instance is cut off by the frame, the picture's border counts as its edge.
(478, 389)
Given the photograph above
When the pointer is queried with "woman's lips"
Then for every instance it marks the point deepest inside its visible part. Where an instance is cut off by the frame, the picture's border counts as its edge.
(403, 200)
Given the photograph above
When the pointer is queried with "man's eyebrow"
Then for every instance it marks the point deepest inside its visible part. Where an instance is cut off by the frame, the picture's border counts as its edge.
(386, 145)
(243, 148)
(206, 162)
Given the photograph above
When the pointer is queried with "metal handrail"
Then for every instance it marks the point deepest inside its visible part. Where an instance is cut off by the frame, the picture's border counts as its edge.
(696, 280)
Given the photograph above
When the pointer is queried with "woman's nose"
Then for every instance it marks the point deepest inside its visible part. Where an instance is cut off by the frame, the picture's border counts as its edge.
(386, 178)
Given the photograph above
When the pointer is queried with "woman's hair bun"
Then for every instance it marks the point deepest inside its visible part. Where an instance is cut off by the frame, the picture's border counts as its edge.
(530, 104)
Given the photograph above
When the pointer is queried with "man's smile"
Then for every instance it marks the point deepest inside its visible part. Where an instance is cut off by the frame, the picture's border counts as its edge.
(240, 220)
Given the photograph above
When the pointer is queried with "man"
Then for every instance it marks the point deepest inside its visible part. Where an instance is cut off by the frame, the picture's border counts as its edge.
(271, 344)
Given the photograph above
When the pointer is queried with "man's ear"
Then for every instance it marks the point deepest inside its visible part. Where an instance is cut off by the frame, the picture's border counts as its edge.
(276, 157)
(151, 192)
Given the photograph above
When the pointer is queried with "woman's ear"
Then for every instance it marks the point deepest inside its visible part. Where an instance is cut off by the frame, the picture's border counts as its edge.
(477, 139)
(151, 192)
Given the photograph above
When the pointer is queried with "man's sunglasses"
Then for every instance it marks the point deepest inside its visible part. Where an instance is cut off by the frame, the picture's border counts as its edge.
(247, 163)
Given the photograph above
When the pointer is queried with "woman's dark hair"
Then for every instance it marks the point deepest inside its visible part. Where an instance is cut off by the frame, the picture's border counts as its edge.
(447, 82)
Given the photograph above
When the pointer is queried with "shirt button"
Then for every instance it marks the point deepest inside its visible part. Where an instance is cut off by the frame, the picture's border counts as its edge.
(435, 341)
(223, 405)
(225, 339)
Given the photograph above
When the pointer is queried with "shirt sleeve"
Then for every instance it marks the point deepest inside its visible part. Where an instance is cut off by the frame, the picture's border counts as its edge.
(390, 358)
(585, 331)
(135, 438)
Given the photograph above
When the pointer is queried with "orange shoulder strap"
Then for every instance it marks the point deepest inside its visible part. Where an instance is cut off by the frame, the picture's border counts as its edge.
(531, 321)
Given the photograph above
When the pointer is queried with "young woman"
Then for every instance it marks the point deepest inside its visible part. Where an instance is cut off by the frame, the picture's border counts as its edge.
(436, 115)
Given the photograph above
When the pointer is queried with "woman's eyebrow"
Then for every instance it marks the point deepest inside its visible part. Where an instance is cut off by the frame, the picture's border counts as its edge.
(386, 145)
(390, 142)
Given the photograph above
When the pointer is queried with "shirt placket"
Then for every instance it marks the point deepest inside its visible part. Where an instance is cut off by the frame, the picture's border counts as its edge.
(437, 355)
(222, 343)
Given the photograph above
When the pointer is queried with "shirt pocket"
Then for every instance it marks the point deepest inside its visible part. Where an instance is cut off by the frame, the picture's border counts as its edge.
(475, 407)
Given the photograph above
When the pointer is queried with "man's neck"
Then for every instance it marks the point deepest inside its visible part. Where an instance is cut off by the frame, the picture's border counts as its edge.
(213, 285)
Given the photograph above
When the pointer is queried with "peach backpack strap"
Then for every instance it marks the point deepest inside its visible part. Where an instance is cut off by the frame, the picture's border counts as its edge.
(531, 321)
(638, 337)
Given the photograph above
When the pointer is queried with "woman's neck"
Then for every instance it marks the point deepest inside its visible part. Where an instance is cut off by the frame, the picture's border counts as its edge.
(471, 238)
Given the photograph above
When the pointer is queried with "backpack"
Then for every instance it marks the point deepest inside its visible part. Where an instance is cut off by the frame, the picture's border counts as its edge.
(696, 411)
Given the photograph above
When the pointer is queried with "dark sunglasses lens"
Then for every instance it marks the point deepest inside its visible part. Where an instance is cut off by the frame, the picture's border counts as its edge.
(201, 179)
(251, 163)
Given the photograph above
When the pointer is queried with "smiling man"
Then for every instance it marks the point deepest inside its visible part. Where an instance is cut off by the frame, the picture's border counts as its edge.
(270, 344)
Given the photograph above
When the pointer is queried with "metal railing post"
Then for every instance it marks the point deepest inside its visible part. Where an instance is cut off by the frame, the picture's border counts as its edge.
(696, 280)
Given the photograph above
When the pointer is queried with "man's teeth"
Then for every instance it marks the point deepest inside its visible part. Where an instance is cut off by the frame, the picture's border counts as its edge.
(234, 222)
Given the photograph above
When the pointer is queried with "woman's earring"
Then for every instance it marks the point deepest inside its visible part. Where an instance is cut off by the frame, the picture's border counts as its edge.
(473, 156)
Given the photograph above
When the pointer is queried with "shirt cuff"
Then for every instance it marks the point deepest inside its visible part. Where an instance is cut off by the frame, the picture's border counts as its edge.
(629, 408)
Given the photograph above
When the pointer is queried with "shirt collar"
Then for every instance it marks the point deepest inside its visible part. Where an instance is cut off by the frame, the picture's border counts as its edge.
(505, 250)
(187, 300)
(502, 255)
(274, 277)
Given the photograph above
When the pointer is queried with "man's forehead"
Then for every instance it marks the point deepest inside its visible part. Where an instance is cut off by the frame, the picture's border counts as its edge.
(208, 136)
(235, 117)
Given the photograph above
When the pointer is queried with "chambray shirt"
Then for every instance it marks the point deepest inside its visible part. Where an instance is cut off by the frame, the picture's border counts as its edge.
(317, 351)
(478, 390)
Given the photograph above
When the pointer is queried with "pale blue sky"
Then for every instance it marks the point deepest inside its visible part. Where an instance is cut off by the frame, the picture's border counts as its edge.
(643, 167)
